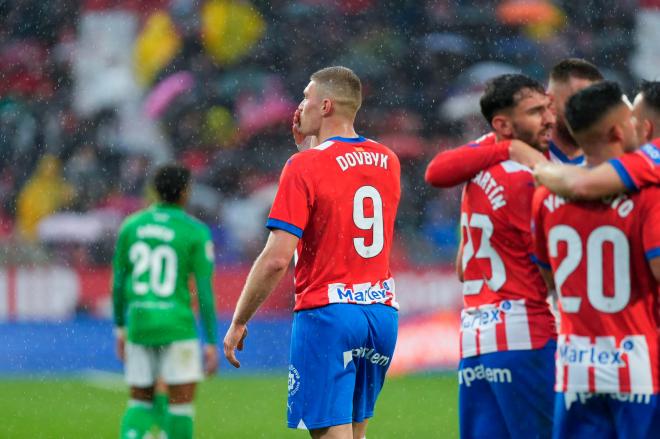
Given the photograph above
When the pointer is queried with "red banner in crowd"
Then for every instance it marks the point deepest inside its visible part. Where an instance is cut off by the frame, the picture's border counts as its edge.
(58, 292)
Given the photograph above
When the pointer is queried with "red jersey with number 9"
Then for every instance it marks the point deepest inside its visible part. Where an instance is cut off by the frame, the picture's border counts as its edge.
(505, 297)
(340, 198)
(608, 296)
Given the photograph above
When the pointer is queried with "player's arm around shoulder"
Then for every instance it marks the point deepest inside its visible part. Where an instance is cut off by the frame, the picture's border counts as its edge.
(580, 183)
(457, 165)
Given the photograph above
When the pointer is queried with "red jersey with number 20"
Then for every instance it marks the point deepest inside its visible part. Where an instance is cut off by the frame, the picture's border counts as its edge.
(505, 297)
(608, 296)
(340, 198)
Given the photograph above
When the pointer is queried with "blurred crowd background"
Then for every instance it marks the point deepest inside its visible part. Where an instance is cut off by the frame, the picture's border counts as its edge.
(95, 93)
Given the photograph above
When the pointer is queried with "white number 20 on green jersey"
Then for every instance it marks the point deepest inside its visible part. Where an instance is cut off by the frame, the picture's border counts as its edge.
(161, 265)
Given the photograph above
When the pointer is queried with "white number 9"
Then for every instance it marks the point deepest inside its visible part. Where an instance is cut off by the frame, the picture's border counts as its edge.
(374, 223)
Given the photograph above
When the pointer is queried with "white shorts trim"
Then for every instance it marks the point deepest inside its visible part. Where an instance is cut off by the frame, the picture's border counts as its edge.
(179, 362)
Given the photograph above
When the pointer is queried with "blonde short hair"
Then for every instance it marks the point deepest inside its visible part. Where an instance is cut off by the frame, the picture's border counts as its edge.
(342, 85)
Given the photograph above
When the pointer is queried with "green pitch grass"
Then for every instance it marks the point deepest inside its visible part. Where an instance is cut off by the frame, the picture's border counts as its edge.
(422, 406)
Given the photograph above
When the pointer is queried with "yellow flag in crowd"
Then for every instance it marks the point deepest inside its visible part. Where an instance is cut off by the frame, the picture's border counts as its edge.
(230, 29)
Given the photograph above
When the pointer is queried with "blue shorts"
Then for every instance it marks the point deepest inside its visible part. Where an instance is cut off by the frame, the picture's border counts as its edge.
(339, 356)
(606, 415)
(507, 394)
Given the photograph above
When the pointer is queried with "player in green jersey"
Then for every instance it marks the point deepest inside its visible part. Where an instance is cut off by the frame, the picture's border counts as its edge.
(157, 251)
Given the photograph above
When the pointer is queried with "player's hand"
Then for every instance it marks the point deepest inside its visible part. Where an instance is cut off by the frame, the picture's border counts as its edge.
(524, 154)
(234, 339)
(120, 343)
(302, 142)
(298, 137)
(210, 359)
(537, 171)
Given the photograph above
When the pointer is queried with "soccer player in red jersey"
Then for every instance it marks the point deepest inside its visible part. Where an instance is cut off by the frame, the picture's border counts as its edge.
(455, 166)
(507, 329)
(631, 171)
(605, 261)
(335, 210)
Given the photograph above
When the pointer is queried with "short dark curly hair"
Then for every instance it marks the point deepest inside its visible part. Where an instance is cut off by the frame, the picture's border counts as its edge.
(503, 92)
(171, 181)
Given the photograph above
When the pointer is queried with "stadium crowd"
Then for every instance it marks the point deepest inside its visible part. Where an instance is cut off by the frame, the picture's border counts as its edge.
(95, 93)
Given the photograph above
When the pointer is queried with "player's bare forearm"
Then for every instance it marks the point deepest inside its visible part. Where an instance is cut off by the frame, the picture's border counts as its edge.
(266, 273)
(581, 183)
(560, 179)
(263, 278)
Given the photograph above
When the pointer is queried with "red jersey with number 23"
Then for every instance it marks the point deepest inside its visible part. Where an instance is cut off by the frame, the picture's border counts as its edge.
(608, 296)
(340, 198)
(505, 297)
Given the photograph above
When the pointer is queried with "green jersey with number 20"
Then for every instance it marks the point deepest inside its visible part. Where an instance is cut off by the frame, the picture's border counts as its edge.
(157, 250)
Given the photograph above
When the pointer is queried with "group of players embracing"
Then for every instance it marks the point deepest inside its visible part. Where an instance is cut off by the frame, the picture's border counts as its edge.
(559, 331)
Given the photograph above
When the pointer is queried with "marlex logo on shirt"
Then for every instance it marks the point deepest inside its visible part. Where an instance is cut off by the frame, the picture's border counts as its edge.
(363, 294)
(594, 355)
(481, 319)
(484, 317)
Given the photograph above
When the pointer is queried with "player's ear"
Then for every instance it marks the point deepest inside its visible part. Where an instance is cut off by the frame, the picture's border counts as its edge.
(327, 107)
(615, 133)
(502, 125)
(553, 107)
(647, 129)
